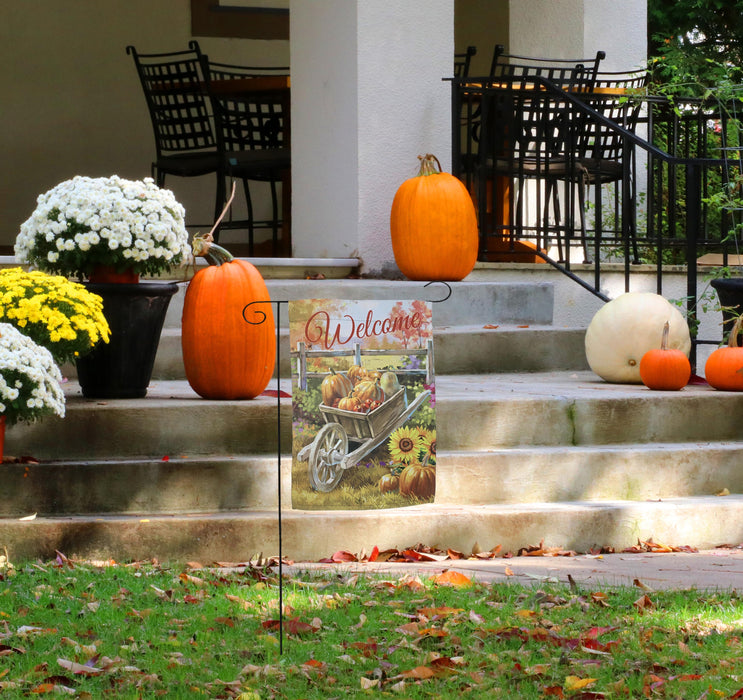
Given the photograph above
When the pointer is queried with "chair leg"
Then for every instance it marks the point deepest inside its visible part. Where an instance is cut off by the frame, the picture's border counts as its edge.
(582, 187)
(553, 194)
(219, 202)
(251, 227)
(275, 219)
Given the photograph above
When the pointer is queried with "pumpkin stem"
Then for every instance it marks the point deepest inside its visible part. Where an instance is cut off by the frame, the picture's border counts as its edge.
(430, 165)
(735, 332)
(664, 339)
(203, 246)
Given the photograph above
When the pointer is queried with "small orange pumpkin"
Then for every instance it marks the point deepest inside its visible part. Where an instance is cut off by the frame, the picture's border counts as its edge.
(418, 480)
(356, 373)
(389, 483)
(349, 403)
(434, 225)
(224, 356)
(664, 368)
(335, 386)
(724, 367)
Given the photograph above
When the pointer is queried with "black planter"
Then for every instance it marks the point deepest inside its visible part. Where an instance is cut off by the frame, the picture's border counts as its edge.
(135, 313)
(730, 293)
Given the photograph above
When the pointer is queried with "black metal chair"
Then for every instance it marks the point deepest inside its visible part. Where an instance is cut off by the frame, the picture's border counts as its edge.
(185, 143)
(462, 62)
(253, 136)
(599, 155)
(525, 135)
(557, 70)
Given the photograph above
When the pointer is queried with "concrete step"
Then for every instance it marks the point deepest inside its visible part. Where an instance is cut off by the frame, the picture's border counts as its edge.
(178, 485)
(481, 327)
(459, 350)
(704, 522)
(455, 303)
(474, 413)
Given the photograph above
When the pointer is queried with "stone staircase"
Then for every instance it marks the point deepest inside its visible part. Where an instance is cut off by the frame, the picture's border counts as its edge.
(532, 446)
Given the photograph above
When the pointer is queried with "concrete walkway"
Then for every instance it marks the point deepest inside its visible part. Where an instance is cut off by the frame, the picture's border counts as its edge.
(718, 569)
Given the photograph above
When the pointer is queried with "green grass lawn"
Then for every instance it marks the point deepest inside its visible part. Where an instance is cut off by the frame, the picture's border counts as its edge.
(80, 630)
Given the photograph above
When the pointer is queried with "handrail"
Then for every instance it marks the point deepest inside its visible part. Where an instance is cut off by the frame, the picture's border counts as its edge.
(465, 110)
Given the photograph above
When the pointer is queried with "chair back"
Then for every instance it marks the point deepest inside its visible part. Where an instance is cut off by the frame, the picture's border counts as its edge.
(616, 96)
(251, 119)
(173, 86)
(564, 72)
(462, 62)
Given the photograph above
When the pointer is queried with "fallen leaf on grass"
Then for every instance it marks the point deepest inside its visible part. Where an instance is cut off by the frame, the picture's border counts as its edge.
(438, 612)
(293, 626)
(641, 585)
(79, 669)
(452, 578)
(600, 598)
(45, 688)
(643, 603)
(419, 673)
(432, 632)
(573, 683)
(5, 650)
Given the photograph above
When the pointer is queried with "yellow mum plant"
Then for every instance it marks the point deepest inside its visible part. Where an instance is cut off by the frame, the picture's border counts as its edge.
(56, 313)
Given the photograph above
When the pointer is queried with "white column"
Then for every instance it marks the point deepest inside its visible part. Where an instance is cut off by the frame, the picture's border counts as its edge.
(367, 99)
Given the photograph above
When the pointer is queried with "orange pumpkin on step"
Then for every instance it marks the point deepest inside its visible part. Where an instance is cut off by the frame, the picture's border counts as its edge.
(664, 368)
(225, 356)
(434, 225)
(724, 367)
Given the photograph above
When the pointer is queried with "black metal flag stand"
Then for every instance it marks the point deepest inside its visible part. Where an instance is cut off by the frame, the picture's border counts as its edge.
(261, 317)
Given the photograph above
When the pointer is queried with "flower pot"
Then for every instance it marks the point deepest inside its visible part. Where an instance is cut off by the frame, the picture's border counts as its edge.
(122, 368)
(104, 274)
(730, 293)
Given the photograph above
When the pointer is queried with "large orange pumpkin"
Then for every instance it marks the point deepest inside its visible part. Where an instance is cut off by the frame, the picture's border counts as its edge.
(418, 480)
(434, 225)
(724, 367)
(368, 390)
(225, 356)
(335, 386)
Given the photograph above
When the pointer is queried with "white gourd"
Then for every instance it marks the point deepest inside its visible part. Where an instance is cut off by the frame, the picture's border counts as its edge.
(625, 328)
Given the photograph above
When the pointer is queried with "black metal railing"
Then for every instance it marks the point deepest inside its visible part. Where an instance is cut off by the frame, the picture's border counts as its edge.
(558, 176)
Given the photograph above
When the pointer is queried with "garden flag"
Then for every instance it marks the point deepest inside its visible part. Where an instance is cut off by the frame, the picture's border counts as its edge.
(364, 430)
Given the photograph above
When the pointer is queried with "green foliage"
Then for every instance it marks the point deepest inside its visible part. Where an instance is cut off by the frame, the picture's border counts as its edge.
(704, 28)
(307, 404)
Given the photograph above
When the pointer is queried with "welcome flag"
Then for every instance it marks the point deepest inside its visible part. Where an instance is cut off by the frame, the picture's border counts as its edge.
(364, 428)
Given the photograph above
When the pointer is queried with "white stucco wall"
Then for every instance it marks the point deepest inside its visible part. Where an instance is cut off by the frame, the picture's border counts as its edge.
(620, 29)
(391, 106)
(579, 28)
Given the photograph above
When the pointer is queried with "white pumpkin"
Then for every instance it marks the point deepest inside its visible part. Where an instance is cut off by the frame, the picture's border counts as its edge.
(625, 328)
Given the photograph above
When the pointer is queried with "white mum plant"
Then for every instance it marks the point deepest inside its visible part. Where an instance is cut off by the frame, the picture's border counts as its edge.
(85, 223)
(30, 380)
